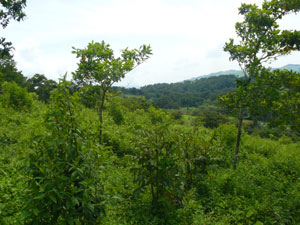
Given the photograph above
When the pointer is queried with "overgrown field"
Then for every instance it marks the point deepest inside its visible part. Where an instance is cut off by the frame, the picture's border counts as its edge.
(147, 169)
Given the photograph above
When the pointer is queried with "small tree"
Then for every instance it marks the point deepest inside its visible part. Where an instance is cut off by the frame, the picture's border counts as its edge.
(158, 169)
(261, 41)
(63, 188)
(100, 67)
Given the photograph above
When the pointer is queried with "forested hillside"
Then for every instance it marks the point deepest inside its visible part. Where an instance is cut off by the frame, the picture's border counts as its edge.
(199, 91)
(79, 151)
(187, 93)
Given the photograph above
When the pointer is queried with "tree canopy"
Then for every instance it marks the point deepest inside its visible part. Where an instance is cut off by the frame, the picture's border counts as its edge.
(10, 10)
(99, 66)
(260, 40)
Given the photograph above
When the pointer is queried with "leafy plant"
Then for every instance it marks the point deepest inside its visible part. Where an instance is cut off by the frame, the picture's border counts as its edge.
(99, 66)
(260, 41)
(15, 96)
(158, 170)
(63, 188)
(10, 9)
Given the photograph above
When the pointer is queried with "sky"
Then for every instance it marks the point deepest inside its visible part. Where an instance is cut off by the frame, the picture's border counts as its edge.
(186, 36)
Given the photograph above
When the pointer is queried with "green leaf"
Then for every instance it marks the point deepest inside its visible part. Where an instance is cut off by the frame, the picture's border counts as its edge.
(25, 215)
(74, 174)
(53, 198)
(70, 221)
(75, 201)
(36, 212)
(40, 196)
(258, 223)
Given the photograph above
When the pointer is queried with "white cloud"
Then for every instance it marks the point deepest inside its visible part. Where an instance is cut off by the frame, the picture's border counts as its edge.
(31, 59)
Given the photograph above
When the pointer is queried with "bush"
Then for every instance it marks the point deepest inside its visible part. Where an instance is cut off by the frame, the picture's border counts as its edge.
(89, 96)
(177, 114)
(63, 186)
(213, 119)
(15, 96)
(115, 111)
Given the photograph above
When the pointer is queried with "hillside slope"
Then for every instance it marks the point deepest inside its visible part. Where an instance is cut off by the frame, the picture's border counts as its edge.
(185, 94)
(195, 92)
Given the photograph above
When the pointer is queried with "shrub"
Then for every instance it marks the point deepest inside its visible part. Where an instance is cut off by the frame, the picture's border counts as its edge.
(88, 96)
(15, 96)
(62, 185)
(177, 114)
(213, 119)
(115, 111)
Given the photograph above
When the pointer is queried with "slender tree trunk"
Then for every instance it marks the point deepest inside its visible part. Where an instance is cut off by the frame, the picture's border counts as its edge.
(101, 104)
(238, 139)
(188, 168)
(153, 194)
(156, 191)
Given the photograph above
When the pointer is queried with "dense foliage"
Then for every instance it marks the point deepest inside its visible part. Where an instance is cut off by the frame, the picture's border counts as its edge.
(63, 187)
(151, 166)
(15, 96)
(9, 10)
(185, 94)
(260, 40)
(151, 169)
(100, 67)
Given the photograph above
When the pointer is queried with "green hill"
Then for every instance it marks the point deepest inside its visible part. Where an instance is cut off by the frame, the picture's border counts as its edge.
(195, 92)
(191, 93)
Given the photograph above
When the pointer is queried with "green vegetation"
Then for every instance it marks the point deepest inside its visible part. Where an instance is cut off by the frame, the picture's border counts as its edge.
(260, 41)
(40, 85)
(98, 66)
(198, 92)
(152, 165)
(10, 10)
(185, 94)
(152, 170)
(15, 96)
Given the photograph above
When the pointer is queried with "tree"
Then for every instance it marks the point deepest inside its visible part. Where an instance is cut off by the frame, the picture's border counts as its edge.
(261, 41)
(41, 86)
(63, 187)
(280, 97)
(212, 119)
(10, 9)
(15, 96)
(158, 169)
(9, 73)
(100, 67)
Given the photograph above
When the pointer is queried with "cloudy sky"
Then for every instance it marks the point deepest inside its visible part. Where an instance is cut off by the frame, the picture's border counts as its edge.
(186, 36)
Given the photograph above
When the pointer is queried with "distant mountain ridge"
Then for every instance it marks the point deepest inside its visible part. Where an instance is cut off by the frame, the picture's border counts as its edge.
(239, 73)
(191, 93)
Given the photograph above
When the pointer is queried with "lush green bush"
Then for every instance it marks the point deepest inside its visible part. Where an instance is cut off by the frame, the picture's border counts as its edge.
(11, 186)
(15, 96)
(63, 186)
(213, 119)
(88, 96)
(158, 173)
(177, 114)
(115, 111)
